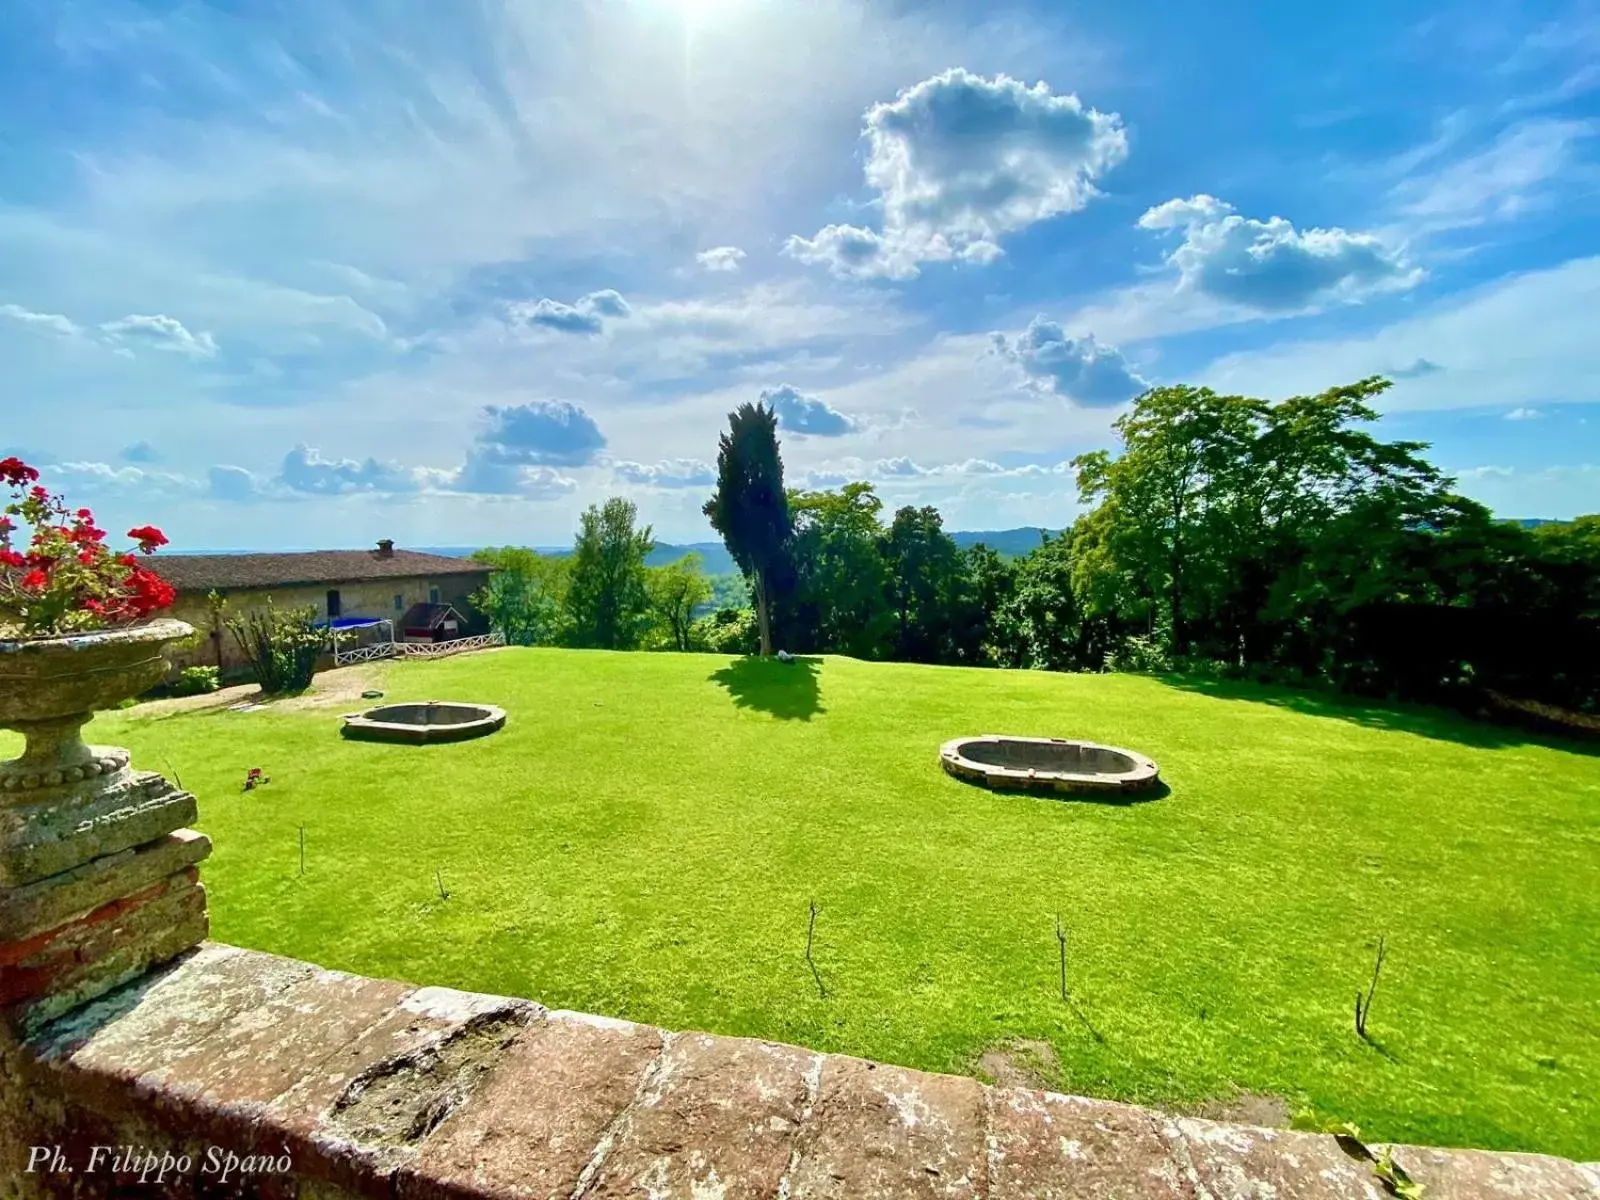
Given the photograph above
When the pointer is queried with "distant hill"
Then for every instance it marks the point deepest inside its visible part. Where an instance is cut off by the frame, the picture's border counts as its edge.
(717, 559)
(1008, 543)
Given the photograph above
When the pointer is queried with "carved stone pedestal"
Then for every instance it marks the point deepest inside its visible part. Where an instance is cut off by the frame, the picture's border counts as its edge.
(98, 872)
(122, 893)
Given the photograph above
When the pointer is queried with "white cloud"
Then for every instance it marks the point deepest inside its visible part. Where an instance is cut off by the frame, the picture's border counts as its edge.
(898, 467)
(54, 322)
(90, 478)
(1527, 340)
(807, 415)
(901, 468)
(540, 433)
(486, 473)
(588, 315)
(852, 252)
(1081, 370)
(140, 451)
(959, 161)
(826, 480)
(1415, 369)
(160, 332)
(1524, 414)
(672, 473)
(720, 258)
(1270, 266)
(1515, 174)
(1556, 493)
(305, 470)
(234, 484)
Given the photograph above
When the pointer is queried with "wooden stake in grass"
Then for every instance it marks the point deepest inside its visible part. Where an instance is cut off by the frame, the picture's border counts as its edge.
(439, 879)
(811, 929)
(1061, 941)
(302, 849)
(1364, 1007)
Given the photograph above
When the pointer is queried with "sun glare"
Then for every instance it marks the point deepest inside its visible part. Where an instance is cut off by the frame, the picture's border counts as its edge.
(699, 12)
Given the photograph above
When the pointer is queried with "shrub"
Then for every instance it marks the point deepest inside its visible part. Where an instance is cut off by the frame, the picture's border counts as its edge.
(196, 681)
(1139, 655)
(281, 645)
(727, 631)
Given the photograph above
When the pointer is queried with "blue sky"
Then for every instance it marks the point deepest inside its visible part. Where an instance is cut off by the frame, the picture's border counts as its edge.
(278, 274)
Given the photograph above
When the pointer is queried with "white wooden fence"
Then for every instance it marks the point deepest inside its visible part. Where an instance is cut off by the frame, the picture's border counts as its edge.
(483, 641)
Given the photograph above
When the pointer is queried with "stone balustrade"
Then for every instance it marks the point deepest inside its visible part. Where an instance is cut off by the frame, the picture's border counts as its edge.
(235, 1073)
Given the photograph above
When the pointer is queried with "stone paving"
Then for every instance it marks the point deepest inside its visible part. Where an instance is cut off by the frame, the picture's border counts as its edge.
(370, 1088)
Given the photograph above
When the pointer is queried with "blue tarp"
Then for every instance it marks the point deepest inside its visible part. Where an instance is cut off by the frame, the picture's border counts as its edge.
(349, 622)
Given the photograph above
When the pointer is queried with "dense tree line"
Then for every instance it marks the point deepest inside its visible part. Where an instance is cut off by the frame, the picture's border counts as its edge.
(1224, 534)
(601, 596)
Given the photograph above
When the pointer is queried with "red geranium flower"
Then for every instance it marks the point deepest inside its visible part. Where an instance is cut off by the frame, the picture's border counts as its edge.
(148, 537)
(68, 580)
(16, 472)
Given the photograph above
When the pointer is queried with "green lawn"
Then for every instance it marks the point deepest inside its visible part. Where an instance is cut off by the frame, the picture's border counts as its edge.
(644, 837)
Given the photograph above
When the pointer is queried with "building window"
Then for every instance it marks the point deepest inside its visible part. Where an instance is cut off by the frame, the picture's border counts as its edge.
(433, 595)
(333, 602)
(399, 602)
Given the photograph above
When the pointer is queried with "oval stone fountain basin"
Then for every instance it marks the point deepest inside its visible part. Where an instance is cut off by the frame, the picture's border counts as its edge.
(1048, 764)
(428, 721)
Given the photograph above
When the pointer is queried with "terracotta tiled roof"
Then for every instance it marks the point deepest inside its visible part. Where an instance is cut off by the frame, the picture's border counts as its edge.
(203, 572)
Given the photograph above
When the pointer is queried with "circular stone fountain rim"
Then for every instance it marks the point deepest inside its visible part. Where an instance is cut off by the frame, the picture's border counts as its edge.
(1144, 774)
(360, 725)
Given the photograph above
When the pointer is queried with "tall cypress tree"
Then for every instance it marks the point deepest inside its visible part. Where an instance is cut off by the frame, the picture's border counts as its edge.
(750, 508)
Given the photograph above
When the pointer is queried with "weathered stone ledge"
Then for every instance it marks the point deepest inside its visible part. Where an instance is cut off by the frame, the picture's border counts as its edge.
(375, 1088)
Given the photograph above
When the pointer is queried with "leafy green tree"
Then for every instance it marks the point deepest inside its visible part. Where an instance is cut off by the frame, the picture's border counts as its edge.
(1182, 452)
(608, 598)
(1039, 624)
(840, 599)
(729, 591)
(750, 508)
(525, 599)
(1314, 479)
(991, 582)
(676, 591)
(929, 593)
(1218, 525)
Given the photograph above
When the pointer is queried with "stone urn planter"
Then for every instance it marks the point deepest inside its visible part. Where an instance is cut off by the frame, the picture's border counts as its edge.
(51, 687)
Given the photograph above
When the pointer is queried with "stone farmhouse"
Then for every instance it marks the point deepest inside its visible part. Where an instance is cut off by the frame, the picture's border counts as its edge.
(382, 582)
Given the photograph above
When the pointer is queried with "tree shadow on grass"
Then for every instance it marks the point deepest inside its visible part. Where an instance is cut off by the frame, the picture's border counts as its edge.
(787, 690)
(1441, 724)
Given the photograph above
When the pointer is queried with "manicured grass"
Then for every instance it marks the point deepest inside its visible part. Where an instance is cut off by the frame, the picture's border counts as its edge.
(644, 837)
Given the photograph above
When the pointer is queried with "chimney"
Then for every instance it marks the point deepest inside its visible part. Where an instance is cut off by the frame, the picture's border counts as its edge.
(385, 548)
